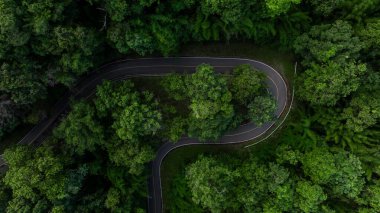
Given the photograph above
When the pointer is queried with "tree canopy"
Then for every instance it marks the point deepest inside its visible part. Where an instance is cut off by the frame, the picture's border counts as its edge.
(322, 177)
(325, 158)
(210, 104)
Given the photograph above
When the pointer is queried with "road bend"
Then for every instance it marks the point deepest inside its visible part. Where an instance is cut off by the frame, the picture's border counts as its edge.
(124, 69)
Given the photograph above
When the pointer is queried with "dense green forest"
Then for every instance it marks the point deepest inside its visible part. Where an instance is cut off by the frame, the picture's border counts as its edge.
(97, 158)
(325, 159)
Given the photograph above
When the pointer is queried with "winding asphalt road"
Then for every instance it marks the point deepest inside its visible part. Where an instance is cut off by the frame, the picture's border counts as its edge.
(125, 69)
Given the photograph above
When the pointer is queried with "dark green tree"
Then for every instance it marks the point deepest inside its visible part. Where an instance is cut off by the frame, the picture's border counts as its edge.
(176, 128)
(371, 197)
(20, 82)
(326, 7)
(127, 38)
(8, 115)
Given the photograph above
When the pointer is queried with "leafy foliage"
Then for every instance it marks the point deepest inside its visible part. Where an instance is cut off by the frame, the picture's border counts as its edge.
(47, 183)
(327, 84)
(362, 112)
(210, 104)
(327, 42)
(20, 83)
(326, 7)
(131, 154)
(98, 162)
(139, 118)
(277, 7)
(81, 130)
(218, 195)
(45, 43)
(262, 110)
(175, 86)
(308, 186)
(319, 165)
(94, 154)
(310, 196)
(246, 83)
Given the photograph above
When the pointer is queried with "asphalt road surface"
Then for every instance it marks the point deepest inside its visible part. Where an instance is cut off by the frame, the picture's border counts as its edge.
(125, 69)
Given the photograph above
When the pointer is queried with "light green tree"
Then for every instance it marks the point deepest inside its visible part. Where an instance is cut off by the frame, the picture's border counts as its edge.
(39, 179)
(211, 184)
(81, 130)
(175, 86)
(278, 7)
(341, 172)
(309, 196)
(319, 165)
(210, 104)
(372, 196)
(246, 83)
(348, 180)
(253, 187)
(138, 118)
(362, 112)
(326, 84)
(128, 38)
(111, 97)
(229, 10)
(131, 154)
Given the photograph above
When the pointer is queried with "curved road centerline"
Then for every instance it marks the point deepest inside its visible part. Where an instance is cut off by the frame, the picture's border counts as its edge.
(124, 69)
